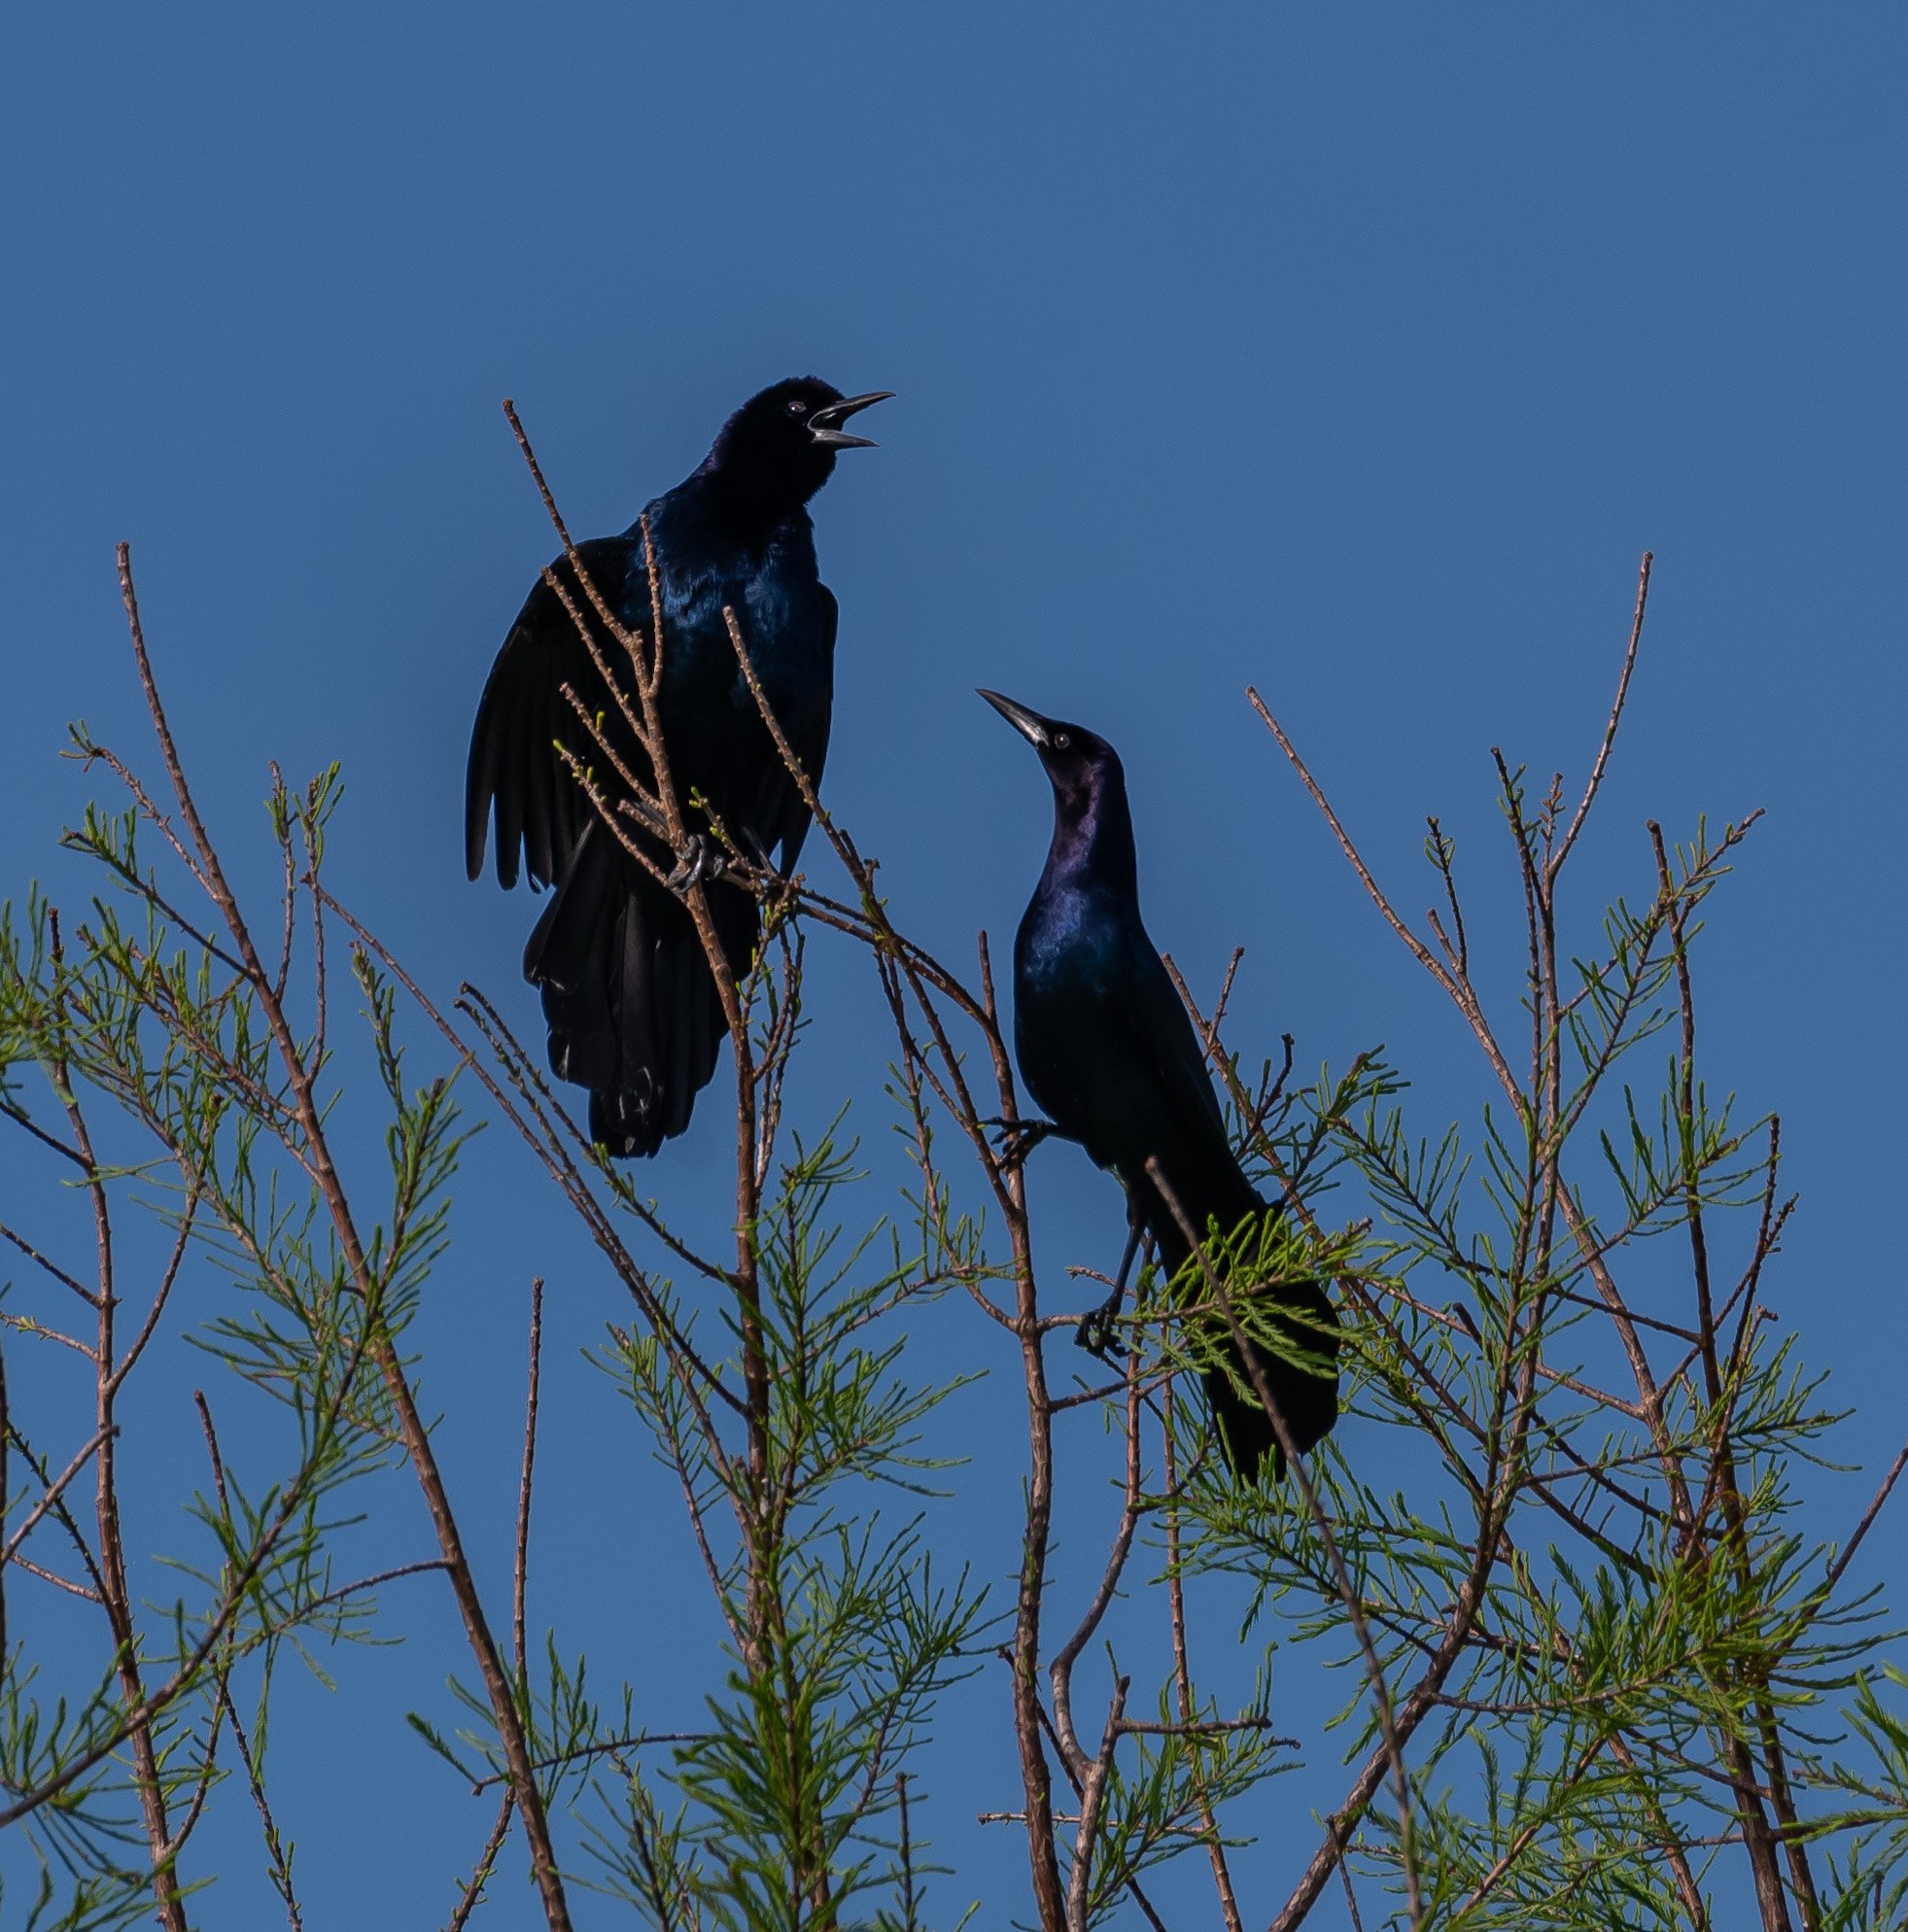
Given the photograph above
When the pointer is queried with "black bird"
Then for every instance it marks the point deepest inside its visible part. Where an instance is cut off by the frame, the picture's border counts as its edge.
(1107, 1052)
(628, 997)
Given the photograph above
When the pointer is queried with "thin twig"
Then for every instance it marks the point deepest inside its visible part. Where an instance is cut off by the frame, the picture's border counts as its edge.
(1061, 1671)
(1861, 1528)
(471, 1891)
(909, 1922)
(520, 1578)
(1182, 1672)
(1590, 790)
(277, 1852)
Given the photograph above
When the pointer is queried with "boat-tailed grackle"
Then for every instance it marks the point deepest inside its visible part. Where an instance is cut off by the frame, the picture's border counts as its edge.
(1108, 1052)
(628, 997)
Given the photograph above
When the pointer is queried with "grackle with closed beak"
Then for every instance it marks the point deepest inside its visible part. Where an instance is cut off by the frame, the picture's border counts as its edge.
(1107, 1050)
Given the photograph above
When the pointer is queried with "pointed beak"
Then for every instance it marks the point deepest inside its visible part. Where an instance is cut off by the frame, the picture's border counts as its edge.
(1030, 725)
(826, 425)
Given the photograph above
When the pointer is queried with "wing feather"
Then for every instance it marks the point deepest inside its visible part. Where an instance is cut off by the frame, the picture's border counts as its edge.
(515, 776)
(787, 823)
(1164, 1028)
(538, 800)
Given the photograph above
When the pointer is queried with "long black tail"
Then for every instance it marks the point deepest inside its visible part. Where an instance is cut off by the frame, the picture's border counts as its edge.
(1307, 1403)
(1300, 1313)
(630, 1002)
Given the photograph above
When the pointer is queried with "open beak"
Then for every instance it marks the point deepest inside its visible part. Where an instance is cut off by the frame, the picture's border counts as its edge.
(1030, 725)
(826, 425)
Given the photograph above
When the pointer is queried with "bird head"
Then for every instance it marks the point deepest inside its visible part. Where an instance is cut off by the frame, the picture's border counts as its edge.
(1080, 764)
(778, 448)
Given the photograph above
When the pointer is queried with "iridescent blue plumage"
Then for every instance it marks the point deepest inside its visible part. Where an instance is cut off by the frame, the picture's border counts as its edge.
(1109, 1055)
(629, 1000)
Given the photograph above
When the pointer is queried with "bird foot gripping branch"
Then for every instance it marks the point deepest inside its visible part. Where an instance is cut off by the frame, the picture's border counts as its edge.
(1015, 1140)
(700, 861)
(1096, 1332)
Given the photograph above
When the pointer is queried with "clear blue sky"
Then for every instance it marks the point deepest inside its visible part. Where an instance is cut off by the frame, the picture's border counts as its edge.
(1358, 352)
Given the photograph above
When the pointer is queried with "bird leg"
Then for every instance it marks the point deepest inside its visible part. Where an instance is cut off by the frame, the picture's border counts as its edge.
(1095, 1332)
(1017, 1139)
(700, 859)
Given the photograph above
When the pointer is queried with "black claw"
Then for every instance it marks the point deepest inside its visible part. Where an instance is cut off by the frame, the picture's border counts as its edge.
(1096, 1334)
(1017, 1139)
(698, 861)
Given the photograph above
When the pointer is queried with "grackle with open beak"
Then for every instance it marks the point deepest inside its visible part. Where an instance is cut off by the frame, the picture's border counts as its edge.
(629, 1001)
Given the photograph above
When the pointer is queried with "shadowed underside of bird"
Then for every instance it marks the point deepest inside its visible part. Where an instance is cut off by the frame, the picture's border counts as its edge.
(632, 1008)
(1108, 1052)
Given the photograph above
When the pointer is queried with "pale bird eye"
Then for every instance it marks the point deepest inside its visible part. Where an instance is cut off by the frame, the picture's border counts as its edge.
(1062, 740)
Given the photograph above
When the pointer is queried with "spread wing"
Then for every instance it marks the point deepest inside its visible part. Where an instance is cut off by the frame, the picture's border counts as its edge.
(514, 766)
